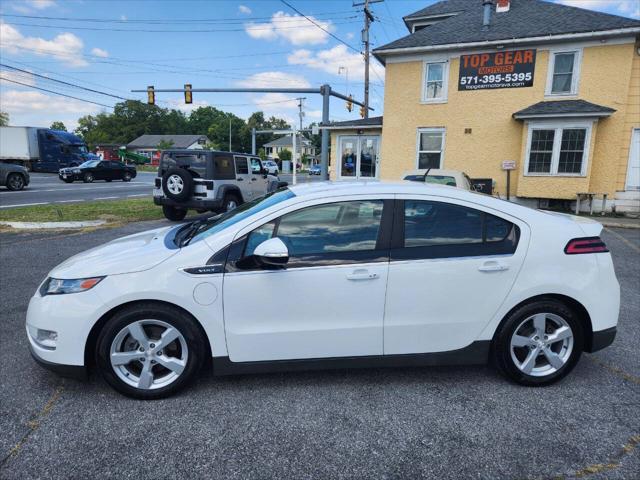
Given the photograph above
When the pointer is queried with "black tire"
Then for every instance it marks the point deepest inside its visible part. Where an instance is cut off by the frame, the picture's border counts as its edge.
(88, 177)
(15, 182)
(68, 180)
(174, 214)
(230, 202)
(177, 319)
(126, 177)
(108, 180)
(187, 184)
(501, 346)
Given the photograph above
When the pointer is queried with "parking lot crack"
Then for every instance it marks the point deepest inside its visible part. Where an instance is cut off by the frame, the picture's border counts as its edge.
(33, 424)
(617, 371)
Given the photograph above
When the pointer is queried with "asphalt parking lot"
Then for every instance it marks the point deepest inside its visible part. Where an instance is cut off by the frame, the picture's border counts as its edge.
(462, 422)
(46, 188)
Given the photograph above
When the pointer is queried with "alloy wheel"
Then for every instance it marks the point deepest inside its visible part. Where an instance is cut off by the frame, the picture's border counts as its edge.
(231, 205)
(175, 184)
(542, 344)
(149, 354)
(16, 182)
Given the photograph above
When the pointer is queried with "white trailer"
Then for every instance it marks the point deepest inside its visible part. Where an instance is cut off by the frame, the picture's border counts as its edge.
(19, 145)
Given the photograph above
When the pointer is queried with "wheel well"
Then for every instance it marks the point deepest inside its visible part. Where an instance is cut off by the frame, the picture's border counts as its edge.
(571, 303)
(90, 345)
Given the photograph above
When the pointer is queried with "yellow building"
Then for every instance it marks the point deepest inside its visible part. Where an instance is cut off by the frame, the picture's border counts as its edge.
(553, 88)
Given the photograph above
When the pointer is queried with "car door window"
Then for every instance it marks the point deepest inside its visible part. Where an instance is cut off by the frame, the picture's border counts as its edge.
(444, 230)
(256, 166)
(242, 167)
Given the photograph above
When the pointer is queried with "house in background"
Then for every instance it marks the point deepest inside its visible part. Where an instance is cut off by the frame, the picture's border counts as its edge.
(108, 151)
(553, 88)
(273, 148)
(147, 145)
(355, 149)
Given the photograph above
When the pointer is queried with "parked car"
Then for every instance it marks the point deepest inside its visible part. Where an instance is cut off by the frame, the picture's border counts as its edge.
(14, 177)
(451, 178)
(401, 274)
(271, 167)
(107, 170)
(207, 180)
(315, 169)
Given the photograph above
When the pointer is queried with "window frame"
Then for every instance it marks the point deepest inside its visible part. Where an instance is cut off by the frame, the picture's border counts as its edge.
(559, 126)
(420, 131)
(445, 81)
(575, 78)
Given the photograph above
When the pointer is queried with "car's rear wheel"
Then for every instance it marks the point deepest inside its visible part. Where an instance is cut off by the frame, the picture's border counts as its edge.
(15, 181)
(539, 343)
(231, 202)
(150, 351)
(88, 178)
(173, 213)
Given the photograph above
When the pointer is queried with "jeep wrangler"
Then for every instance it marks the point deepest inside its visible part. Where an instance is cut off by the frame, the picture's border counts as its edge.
(207, 180)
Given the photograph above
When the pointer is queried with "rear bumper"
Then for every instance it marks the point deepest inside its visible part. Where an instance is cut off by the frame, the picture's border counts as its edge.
(602, 339)
(191, 203)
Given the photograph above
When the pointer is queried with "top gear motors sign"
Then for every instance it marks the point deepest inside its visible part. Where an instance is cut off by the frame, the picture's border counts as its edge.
(513, 69)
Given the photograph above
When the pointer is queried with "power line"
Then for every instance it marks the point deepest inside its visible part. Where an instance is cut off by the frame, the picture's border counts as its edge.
(320, 26)
(63, 82)
(55, 93)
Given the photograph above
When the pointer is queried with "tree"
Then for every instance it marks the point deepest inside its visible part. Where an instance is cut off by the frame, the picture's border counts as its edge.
(262, 154)
(165, 144)
(58, 126)
(284, 155)
(4, 119)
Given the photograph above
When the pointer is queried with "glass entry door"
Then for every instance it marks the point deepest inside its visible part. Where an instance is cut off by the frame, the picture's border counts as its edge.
(359, 157)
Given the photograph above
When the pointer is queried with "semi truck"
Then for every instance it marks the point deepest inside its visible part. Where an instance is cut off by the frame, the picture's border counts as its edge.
(42, 149)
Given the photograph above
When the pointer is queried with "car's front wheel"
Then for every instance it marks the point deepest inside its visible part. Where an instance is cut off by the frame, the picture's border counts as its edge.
(538, 343)
(126, 177)
(150, 351)
(87, 178)
(15, 182)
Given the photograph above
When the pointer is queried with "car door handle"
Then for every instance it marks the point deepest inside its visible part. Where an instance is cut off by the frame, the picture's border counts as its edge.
(357, 275)
(253, 179)
(493, 266)
(240, 179)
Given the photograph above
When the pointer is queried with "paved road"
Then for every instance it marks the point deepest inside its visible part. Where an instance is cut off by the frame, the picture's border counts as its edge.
(445, 423)
(47, 188)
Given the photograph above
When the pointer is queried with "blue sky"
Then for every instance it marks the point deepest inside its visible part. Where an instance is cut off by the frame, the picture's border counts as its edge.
(116, 46)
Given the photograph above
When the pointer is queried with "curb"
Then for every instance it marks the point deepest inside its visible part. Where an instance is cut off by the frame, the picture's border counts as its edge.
(53, 225)
(621, 225)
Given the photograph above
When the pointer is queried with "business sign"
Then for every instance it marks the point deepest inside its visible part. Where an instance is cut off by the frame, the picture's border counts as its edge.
(512, 69)
(508, 165)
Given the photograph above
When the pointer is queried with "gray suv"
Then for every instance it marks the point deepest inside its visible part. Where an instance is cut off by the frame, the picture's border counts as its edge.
(206, 180)
(14, 177)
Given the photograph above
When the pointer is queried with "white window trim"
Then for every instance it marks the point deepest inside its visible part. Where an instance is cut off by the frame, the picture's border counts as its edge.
(445, 81)
(555, 156)
(359, 140)
(575, 78)
(442, 150)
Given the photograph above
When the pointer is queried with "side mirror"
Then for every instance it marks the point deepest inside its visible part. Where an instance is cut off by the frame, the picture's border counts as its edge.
(272, 252)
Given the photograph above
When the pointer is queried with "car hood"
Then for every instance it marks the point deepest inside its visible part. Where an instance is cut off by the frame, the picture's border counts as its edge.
(134, 253)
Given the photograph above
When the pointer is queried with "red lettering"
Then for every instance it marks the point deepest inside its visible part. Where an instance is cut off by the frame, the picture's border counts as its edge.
(484, 59)
(528, 56)
(499, 59)
(475, 61)
(517, 57)
(508, 58)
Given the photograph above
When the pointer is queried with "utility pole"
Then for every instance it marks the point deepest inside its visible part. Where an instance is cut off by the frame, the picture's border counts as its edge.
(229, 133)
(301, 116)
(368, 20)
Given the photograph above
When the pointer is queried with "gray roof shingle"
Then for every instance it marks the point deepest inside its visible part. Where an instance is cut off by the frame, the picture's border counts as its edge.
(564, 108)
(285, 141)
(525, 18)
(360, 122)
(179, 141)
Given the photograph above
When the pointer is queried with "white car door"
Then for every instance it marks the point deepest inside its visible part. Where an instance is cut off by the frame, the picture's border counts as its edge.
(329, 299)
(243, 177)
(259, 180)
(451, 267)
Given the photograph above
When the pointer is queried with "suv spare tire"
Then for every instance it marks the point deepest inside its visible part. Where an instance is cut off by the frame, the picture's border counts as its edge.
(177, 184)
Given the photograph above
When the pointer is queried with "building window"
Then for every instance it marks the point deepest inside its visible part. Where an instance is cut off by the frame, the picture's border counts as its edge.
(563, 73)
(430, 147)
(435, 82)
(558, 150)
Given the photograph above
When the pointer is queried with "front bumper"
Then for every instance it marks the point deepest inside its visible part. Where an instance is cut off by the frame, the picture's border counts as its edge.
(69, 176)
(71, 371)
(215, 204)
(602, 339)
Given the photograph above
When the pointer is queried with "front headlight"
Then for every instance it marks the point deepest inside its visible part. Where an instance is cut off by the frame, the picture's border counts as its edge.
(55, 286)
(77, 170)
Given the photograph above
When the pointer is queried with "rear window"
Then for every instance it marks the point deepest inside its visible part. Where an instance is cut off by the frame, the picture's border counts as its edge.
(223, 168)
(197, 163)
(437, 179)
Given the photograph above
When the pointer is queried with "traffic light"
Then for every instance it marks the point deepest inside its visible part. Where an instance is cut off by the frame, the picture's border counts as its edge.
(350, 104)
(362, 111)
(151, 95)
(188, 96)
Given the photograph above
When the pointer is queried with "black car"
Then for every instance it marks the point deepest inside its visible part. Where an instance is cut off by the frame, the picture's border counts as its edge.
(98, 170)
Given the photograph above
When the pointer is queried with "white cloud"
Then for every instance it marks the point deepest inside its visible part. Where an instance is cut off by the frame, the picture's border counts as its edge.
(332, 59)
(244, 9)
(98, 52)
(178, 104)
(39, 109)
(123, 18)
(274, 80)
(350, 35)
(629, 8)
(29, 5)
(22, 77)
(65, 47)
(292, 28)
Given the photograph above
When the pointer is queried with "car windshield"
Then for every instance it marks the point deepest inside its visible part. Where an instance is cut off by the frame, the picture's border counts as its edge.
(220, 222)
(78, 149)
(437, 179)
(90, 164)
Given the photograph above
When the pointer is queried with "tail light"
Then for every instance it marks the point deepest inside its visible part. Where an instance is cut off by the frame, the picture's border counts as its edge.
(585, 245)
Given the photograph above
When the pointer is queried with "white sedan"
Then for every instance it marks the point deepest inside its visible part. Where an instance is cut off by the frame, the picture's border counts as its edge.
(402, 274)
